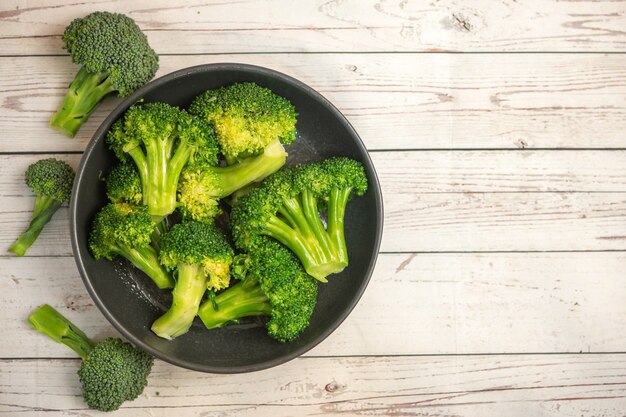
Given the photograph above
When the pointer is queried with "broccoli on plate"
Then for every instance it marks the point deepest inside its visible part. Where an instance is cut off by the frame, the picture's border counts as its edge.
(121, 229)
(201, 258)
(287, 208)
(273, 283)
(161, 140)
(246, 118)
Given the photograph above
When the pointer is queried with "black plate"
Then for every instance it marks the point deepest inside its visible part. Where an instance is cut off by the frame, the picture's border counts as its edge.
(127, 298)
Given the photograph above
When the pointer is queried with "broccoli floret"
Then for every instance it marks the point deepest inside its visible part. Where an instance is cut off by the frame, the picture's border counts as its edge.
(111, 371)
(246, 118)
(114, 55)
(161, 139)
(201, 186)
(201, 257)
(287, 208)
(121, 229)
(273, 283)
(123, 184)
(52, 181)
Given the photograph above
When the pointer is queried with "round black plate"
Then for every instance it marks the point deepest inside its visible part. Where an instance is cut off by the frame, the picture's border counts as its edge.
(127, 298)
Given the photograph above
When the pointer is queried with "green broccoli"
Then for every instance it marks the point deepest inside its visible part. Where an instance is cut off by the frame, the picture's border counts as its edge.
(114, 55)
(201, 257)
(161, 139)
(287, 208)
(123, 184)
(121, 229)
(201, 186)
(273, 283)
(111, 371)
(246, 118)
(52, 181)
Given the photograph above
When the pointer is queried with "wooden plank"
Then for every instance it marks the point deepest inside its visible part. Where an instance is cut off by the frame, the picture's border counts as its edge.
(439, 201)
(414, 304)
(401, 101)
(35, 27)
(537, 385)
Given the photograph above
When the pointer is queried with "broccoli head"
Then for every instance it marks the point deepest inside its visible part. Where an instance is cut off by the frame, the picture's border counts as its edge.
(201, 258)
(287, 208)
(246, 118)
(123, 184)
(52, 181)
(161, 139)
(114, 55)
(273, 283)
(121, 229)
(111, 371)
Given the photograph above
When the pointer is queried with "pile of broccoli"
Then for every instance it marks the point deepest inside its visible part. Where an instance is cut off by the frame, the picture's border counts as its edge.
(177, 169)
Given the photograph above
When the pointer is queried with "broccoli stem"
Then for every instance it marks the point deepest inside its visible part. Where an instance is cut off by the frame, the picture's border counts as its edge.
(312, 215)
(322, 251)
(336, 215)
(45, 207)
(244, 299)
(160, 229)
(51, 323)
(240, 174)
(159, 171)
(83, 96)
(186, 297)
(146, 260)
(307, 249)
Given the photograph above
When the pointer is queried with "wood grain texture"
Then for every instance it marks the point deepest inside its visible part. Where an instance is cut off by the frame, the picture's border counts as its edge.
(35, 27)
(438, 201)
(401, 101)
(537, 385)
(415, 303)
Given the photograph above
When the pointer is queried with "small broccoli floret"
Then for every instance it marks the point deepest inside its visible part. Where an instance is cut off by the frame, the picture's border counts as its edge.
(111, 371)
(201, 257)
(273, 283)
(287, 208)
(121, 229)
(161, 139)
(202, 185)
(52, 181)
(114, 55)
(246, 118)
(124, 185)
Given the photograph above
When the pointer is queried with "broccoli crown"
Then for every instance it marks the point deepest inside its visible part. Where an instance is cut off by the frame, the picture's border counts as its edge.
(344, 173)
(199, 191)
(246, 118)
(123, 184)
(291, 292)
(112, 43)
(143, 124)
(51, 178)
(120, 225)
(253, 211)
(113, 372)
(196, 243)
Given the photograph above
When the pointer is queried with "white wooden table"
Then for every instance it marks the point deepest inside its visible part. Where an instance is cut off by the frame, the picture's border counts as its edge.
(501, 286)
